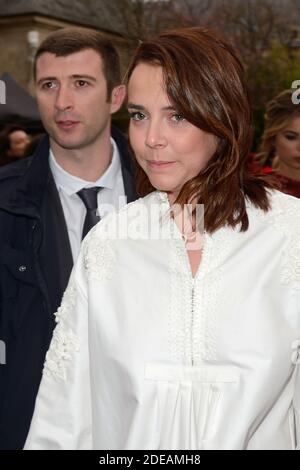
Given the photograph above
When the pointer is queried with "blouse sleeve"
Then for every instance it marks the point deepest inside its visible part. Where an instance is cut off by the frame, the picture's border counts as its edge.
(62, 415)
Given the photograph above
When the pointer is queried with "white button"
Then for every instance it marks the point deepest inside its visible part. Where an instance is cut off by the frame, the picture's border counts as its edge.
(22, 268)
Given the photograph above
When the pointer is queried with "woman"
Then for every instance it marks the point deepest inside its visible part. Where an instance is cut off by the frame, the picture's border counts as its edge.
(280, 143)
(13, 142)
(170, 336)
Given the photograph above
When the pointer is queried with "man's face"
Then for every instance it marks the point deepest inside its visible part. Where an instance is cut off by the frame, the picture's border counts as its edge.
(72, 98)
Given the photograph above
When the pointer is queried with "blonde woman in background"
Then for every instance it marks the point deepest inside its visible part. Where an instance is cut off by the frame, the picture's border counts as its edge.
(280, 143)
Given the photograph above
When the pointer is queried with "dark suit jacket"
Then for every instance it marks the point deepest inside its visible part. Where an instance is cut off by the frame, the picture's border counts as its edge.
(35, 264)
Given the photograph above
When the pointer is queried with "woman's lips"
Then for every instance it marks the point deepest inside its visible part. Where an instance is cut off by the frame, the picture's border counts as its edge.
(159, 164)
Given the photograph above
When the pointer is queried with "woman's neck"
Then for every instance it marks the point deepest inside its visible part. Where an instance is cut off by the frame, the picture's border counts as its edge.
(287, 171)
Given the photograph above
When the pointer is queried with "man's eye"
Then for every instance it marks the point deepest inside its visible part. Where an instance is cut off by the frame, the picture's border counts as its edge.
(48, 85)
(81, 83)
(136, 116)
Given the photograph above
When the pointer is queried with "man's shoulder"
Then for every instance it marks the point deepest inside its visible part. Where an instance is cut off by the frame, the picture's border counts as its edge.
(15, 169)
(11, 174)
(32, 168)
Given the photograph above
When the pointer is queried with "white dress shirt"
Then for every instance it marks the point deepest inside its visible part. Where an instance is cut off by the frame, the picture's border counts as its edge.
(111, 197)
(145, 356)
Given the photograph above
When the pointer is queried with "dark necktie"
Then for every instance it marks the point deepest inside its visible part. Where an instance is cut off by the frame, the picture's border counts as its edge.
(89, 199)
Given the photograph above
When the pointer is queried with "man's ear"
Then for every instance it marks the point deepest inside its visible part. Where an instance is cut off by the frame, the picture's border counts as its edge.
(117, 97)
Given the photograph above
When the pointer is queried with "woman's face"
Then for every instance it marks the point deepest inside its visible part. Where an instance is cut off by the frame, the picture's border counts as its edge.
(287, 145)
(170, 149)
(18, 142)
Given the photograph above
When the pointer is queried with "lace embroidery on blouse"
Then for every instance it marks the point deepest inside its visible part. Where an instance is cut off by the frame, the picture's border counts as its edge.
(207, 297)
(180, 299)
(205, 307)
(194, 303)
(285, 217)
(99, 257)
(64, 342)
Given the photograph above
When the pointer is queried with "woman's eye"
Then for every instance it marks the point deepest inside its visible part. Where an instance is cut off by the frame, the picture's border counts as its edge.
(177, 117)
(290, 136)
(136, 116)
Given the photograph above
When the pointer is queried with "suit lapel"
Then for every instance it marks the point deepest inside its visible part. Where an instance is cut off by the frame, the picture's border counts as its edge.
(57, 267)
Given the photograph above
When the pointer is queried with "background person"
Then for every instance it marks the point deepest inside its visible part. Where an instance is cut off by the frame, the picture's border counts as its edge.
(280, 142)
(13, 142)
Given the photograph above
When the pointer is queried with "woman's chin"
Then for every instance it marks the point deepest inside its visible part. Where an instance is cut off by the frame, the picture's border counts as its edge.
(164, 189)
(161, 185)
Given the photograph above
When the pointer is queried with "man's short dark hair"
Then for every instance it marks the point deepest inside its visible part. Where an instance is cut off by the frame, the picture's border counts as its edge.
(66, 41)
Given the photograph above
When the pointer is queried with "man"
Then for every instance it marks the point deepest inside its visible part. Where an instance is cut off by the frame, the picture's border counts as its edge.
(46, 207)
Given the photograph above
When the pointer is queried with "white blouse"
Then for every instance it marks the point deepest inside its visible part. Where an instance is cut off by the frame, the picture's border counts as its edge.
(146, 357)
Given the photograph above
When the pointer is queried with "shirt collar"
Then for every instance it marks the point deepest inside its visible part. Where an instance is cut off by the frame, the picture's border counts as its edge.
(71, 184)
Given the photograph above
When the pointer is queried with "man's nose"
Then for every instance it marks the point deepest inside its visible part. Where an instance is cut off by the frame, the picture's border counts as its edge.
(63, 100)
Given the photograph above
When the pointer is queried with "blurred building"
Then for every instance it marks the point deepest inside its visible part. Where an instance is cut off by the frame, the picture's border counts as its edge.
(25, 23)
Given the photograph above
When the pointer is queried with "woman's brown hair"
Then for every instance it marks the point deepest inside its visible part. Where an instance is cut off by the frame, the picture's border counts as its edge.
(205, 82)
